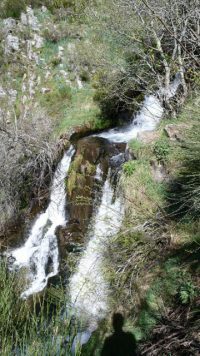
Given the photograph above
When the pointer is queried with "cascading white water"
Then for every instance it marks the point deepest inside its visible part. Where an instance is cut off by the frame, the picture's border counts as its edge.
(89, 290)
(147, 118)
(41, 246)
(88, 287)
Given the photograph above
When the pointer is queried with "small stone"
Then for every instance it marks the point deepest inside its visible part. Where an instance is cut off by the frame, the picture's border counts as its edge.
(44, 8)
(37, 41)
(159, 172)
(2, 93)
(29, 19)
(79, 82)
(13, 94)
(9, 24)
(47, 74)
(24, 19)
(64, 73)
(12, 44)
(45, 90)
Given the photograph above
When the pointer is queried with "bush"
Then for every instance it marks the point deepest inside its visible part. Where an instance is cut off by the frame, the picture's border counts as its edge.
(187, 292)
(161, 149)
(115, 92)
(129, 168)
(12, 8)
(184, 190)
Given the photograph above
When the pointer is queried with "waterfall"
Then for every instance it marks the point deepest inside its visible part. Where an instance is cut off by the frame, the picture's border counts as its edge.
(147, 118)
(89, 289)
(39, 255)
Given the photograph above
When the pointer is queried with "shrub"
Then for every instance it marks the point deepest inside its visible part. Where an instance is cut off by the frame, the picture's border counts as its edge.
(12, 8)
(129, 168)
(184, 190)
(161, 149)
(115, 92)
(64, 91)
(187, 292)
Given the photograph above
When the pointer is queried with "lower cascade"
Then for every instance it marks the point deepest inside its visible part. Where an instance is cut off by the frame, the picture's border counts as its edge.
(89, 290)
(41, 248)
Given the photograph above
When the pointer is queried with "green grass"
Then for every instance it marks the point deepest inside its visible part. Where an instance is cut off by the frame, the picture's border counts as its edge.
(158, 278)
(143, 195)
(82, 110)
(175, 283)
(38, 326)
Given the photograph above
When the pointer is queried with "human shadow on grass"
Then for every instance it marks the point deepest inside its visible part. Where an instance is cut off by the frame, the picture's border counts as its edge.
(120, 343)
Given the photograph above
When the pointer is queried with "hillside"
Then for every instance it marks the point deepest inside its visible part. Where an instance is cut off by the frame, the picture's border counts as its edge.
(76, 80)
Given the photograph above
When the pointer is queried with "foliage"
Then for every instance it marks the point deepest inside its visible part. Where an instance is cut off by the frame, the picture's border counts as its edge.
(129, 167)
(184, 190)
(13, 8)
(161, 149)
(37, 327)
(114, 93)
(10, 8)
(82, 110)
(187, 292)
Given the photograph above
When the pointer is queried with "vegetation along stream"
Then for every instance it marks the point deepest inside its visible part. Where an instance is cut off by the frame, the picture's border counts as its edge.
(99, 179)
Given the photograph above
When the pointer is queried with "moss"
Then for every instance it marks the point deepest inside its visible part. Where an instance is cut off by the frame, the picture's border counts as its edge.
(90, 168)
(80, 180)
(75, 165)
(71, 182)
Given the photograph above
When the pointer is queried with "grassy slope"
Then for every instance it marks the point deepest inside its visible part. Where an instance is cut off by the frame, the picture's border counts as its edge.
(156, 272)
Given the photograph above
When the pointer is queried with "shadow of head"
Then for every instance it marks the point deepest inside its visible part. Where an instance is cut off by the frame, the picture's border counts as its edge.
(117, 321)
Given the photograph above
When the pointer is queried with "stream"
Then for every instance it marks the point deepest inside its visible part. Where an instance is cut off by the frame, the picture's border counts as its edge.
(39, 256)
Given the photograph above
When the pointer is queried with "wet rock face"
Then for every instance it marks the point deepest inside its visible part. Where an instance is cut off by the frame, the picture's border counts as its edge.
(87, 174)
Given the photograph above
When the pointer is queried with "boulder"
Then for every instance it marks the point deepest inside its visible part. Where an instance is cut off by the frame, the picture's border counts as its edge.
(87, 175)
(38, 41)
(11, 44)
(29, 19)
(8, 25)
(159, 172)
(176, 131)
